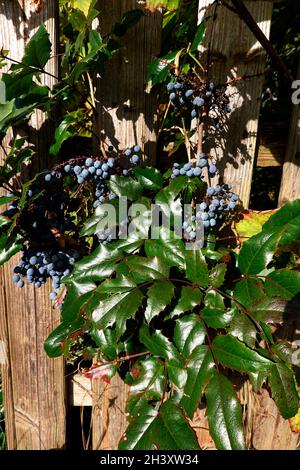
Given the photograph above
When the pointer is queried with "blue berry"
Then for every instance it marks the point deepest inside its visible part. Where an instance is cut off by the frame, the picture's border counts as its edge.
(212, 169)
(89, 162)
(170, 86)
(127, 152)
(137, 148)
(134, 159)
(198, 101)
(48, 177)
(172, 96)
(188, 93)
(197, 171)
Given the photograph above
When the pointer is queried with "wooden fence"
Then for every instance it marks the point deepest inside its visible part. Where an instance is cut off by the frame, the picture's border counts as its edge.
(37, 392)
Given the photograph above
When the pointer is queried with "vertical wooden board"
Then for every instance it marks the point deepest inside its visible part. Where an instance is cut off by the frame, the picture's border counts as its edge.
(235, 52)
(290, 182)
(109, 418)
(35, 404)
(127, 112)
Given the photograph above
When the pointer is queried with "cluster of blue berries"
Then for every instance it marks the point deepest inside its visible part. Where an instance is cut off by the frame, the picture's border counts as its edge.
(46, 216)
(189, 169)
(198, 97)
(218, 201)
(36, 266)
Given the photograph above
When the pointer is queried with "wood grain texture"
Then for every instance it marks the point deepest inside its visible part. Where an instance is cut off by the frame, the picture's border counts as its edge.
(236, 53)
(109, 419)
(127, 112)
(290, 182)
(34, 384)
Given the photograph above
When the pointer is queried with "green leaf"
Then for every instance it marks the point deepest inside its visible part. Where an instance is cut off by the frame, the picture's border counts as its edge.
(147, 384)
(143, 269)
(106, 342)
(105, 216)
(117, 310)
(283, 283)
(189, 333)
(286, 221)
(126, 187)
(98, 265)
(172, 431)
(257, 252)
(38, 49)
(257, 379)
(83, 5)
(281, 229)
(214, 313)
(198, 38)
(158, 70)
(284, 393)
(62, 133)
(249, 291)
(243, 328)
(150, 178)
(159, 296)
(8, 249)
(170, 250)
(189, 299)
(162, 430)
(53, 344)
(138, 435)
(224, 414)
(196, 267)
(159, 345)
(231, 353)
(117, 285)
(217, 275)
(199, 372)
(129, 19)
(78, 294)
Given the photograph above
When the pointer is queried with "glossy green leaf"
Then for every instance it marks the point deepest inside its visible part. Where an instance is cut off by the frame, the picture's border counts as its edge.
(224, 414)
(283, 283)
(8, 249)
(172, 431)
(116, 285)
(214, 313)
(138, 435)
(158, 69)
(117, 310)
(190, 297)
(125, 187)
(217, 275)
(159, 295)
(199, 371)
(234, 354)
(243, 328)
(167, 248)
(129, 19)
(284, 393)
(286, 221)
(106, 341)
(198, 38)
(196, 267)
(163, 430)
(150, 178)
(147, 383)
(53, 344)
(189, 333)
(257, 252)
(143, 269)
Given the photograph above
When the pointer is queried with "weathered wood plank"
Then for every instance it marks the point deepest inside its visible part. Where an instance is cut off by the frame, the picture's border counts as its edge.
(290, 182)
(127, 113)
(34, 384)
(109, 419)
(236, 53)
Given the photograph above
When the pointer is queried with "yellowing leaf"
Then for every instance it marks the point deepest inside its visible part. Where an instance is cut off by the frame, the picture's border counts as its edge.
(295, 422)
(251, 223)
(82, 5)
